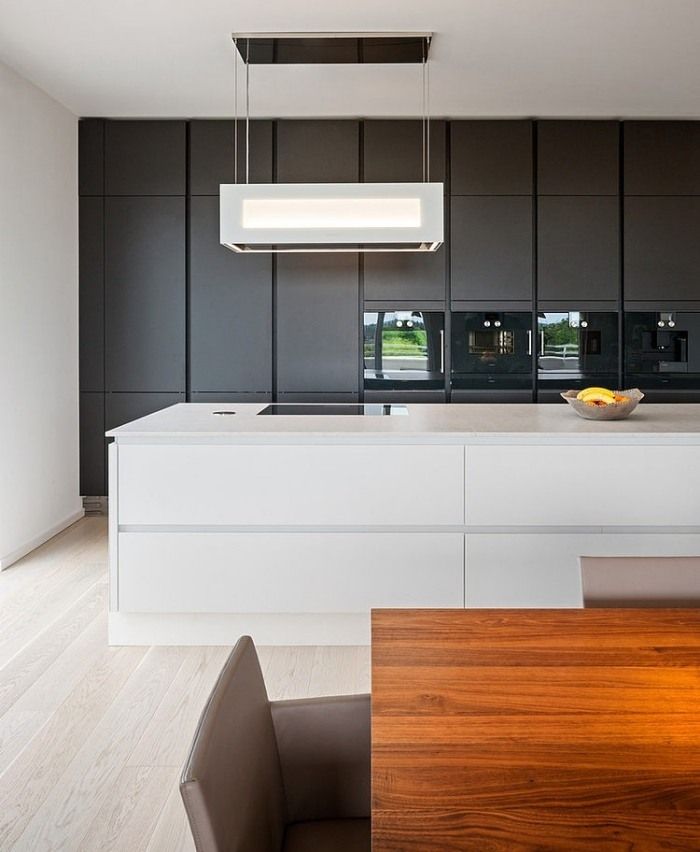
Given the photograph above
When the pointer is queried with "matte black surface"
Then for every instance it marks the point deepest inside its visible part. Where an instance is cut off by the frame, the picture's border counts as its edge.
(406, 276)
(578, 248)
(230, 309)
(91, 294)
(393, 151)
(317, 323)
(578, 157)
(145, 157)
(491, 157)
(229, 396)
(323, 151)
(662, 249)
(304, 51)
(92, 445)
(91, 176)
(330, 410)
(662, 157)
(212, 154)
(491, 248)
(121, 408)
(145, 294)
(310, 396)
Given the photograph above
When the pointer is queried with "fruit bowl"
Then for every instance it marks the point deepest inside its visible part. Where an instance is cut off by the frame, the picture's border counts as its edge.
(612, 411)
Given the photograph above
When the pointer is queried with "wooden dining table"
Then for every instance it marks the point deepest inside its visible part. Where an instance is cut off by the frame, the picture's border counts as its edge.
(516, 730)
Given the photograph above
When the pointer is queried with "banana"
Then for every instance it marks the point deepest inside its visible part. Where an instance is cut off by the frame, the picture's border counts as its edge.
(603, 395)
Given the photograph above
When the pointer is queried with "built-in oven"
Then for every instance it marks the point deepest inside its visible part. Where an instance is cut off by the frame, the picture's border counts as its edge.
(404, 351)
(491, 356)
(662, 354)
(576, 349)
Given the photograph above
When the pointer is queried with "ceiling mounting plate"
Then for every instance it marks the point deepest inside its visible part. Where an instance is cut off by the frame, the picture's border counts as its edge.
(332, 48)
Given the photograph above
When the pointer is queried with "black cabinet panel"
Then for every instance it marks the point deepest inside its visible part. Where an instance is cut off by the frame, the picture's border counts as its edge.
(491, 248)
(578, 248)
(393, 151)
(405, 276)
(212, 154)
(662, 249)
(230, 309)
(317, 323)
(91, 177)
(491, 157)
(121, 408)
(662, 157)
(318, 151)
(578, 157)
(230, 396)
(92, 445)
(92, 308)
(145, 158)
(145, 294)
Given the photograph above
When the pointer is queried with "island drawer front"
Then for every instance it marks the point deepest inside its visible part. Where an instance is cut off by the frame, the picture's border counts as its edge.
(590, 485)
(289, 572)
(542, 569)
(291, 485)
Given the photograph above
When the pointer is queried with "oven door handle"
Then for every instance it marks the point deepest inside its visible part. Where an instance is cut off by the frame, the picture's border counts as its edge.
(529, 341)
(442, 350)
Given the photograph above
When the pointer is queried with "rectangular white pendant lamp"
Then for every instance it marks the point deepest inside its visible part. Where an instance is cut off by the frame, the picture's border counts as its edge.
(331, 217)
(324, 217)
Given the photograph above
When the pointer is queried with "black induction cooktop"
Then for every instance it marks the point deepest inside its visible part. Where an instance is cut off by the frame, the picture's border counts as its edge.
(334, 409)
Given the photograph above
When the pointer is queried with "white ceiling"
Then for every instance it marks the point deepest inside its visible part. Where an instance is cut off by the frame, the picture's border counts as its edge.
(490, 57)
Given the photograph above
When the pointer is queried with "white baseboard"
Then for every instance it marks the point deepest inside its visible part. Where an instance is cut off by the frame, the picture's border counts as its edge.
(145, 628)
(15, 555)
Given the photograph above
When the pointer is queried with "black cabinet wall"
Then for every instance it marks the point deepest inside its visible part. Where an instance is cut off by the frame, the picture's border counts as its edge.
(230, 309)
(662, 157)
(491, 248)
(662, 250)
(491, 157)
(393, 151)
(318, 336)
(313, 151)
(145, 294)
(578, 249)
(211, 154)
(578, 157)
(167, 314)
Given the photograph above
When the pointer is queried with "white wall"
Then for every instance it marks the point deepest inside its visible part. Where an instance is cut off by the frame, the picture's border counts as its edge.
(38, 316)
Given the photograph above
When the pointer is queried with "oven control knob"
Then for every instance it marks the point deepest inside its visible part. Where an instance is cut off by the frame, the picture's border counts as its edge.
(671, 324)
(487, 323)
(661, 323)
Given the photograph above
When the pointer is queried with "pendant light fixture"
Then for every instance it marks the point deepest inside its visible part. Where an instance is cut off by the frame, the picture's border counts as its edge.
(331, 217)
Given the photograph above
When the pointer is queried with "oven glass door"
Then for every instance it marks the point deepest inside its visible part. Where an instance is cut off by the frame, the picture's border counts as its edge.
(404, 350)
(577, 349)
(662, 350)
(491, 350)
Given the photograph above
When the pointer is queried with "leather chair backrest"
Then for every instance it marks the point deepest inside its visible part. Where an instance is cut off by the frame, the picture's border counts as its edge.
(640, 581)
(231, 784)
(324, 748)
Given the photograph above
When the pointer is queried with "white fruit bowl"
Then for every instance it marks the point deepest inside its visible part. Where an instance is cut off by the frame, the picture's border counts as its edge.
(614, 411)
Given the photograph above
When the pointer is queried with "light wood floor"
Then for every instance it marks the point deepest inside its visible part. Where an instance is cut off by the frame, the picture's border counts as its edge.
(92, 738)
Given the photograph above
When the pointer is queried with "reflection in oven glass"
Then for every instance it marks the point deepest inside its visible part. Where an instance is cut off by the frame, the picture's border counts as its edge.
(404, 349)
(575, 347)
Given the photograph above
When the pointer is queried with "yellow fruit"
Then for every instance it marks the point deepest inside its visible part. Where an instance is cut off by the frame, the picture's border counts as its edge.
(602, 395)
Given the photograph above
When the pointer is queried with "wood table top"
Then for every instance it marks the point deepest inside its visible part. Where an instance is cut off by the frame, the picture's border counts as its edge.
(515, 730)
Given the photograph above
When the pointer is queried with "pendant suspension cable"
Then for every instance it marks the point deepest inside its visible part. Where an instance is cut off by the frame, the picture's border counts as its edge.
(423, 114)
(427, 115)
(235, 111)
(247, 111)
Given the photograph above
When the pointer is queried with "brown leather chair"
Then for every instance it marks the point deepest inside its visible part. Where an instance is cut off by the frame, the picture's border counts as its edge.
(640, 581)
(277, 776)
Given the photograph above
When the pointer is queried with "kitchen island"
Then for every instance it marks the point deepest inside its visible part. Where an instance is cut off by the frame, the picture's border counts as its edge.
(291, 528)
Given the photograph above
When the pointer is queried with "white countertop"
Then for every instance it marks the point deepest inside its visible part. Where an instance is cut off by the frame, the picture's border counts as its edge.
(445, 423)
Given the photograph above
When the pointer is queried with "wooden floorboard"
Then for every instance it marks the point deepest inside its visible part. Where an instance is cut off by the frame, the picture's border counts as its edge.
(92, 738)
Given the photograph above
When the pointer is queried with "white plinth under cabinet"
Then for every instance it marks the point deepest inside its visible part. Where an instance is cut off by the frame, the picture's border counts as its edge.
(292, 529)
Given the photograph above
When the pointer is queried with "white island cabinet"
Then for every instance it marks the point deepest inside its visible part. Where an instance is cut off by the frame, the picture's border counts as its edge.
(291, 528)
